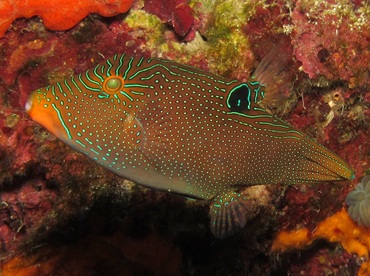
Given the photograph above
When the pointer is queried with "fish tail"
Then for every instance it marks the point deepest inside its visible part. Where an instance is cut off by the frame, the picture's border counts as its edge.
(320, 164)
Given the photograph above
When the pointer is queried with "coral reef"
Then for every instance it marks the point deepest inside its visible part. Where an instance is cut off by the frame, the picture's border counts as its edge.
(329, 46)
(72, 203)
(23, 209)
(338, 228)
(57, 14)
(175, 12)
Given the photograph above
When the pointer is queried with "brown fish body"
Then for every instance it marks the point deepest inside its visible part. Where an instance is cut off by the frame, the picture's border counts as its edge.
(180, 129)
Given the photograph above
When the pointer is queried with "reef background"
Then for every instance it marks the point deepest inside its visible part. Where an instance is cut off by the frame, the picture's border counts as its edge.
(60, 213)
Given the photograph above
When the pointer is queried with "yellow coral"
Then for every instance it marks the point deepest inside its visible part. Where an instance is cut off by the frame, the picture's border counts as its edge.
(337, 228)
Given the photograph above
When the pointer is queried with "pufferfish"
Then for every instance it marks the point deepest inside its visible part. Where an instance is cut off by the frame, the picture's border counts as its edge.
(179, 129)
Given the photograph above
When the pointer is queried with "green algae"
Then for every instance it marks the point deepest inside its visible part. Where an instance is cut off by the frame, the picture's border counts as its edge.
(150, 27)
(222, 43)
(227, 42)
(12, 120)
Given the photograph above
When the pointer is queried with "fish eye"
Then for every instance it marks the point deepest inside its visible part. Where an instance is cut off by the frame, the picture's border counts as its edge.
(113, 84)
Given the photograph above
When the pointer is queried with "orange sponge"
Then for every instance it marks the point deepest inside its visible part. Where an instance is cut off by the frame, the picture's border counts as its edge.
(58, 14)
(337, 228)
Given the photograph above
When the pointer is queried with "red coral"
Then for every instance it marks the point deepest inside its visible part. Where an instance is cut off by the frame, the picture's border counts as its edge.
(329, 44)
(57, 14)
(21, 210)
(176, 12)
(263, 29)
(24, 53)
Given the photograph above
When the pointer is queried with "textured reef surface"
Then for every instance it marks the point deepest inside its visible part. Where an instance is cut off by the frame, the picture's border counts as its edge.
(58, 14)
(60, 213)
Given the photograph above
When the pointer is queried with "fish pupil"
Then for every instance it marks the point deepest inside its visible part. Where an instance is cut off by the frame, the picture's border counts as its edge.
(113, 84)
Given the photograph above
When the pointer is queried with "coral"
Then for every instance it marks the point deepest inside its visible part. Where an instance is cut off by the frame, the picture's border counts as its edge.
(228, 48)
(22, 210)
(175, 12)
(23, 53)
(56, 14)
(338, 228)
(230, 37)
(328, 37)
(359, 202)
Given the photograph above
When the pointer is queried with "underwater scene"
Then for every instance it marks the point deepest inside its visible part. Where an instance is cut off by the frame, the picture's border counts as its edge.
(177, 137)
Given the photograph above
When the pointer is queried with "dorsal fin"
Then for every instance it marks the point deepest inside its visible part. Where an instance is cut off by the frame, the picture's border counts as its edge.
(273, 74)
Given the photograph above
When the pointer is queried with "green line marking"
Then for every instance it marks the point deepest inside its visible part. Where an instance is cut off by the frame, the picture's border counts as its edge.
(90, 79)
(249, 116)
(97, 74)
(120, 65)
(75, 84)
(127, 95)
(68, 87)
(129, 65)
(87, 140)
(61, 89)
(138, 85)
(81, 144)
(110, 65)
(62, 121)
(140, 62)
(151, 68)
(86, 86)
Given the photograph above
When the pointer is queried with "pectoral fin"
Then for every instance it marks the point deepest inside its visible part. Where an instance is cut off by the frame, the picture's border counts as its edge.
(231, 211)
(156, 125)
(228, 214)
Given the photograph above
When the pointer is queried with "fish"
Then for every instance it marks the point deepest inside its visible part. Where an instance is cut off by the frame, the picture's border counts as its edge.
(182, 130)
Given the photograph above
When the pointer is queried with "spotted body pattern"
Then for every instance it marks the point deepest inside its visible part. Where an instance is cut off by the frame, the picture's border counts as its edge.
(180, 129)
